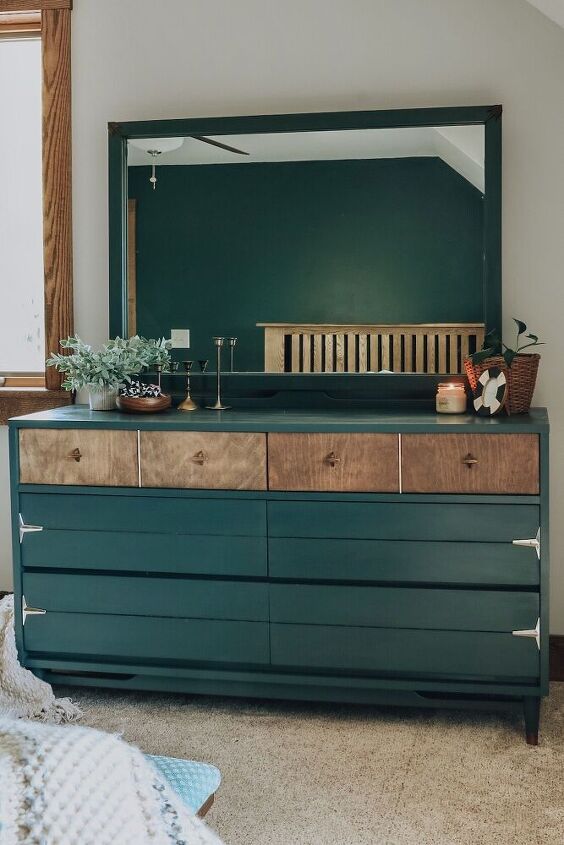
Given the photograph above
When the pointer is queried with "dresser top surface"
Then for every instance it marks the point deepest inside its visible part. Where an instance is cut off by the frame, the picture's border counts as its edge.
(79, 416)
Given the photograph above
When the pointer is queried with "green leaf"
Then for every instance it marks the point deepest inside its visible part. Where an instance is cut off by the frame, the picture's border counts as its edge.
(536, 343)
(492, 338)
(521, 326)
(492, 343)
(509, 355)
(533, 337)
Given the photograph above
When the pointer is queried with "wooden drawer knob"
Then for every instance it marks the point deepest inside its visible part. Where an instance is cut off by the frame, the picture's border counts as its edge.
(200, 458)
(332, 459)
(469, 460)
(75, 455)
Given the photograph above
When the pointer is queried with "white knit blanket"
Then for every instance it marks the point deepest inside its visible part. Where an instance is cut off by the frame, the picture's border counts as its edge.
(70, 785)
(22, 694)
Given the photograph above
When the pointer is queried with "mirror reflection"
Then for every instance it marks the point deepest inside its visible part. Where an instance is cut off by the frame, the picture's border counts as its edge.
(333, 251)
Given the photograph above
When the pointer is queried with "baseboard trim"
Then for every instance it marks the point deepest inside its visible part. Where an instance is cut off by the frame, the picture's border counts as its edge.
(556, 649)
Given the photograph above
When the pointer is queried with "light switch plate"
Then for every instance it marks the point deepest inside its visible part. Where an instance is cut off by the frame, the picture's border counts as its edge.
(180, 338)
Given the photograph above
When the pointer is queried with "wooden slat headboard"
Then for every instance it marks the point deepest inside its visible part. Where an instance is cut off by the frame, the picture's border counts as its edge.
(339, 348)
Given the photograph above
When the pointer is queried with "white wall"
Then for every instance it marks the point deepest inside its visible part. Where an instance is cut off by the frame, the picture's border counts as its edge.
(258, 56)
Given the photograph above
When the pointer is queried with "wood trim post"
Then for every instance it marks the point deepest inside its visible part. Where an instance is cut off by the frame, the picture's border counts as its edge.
(51, 18)
(131, 267)
(20, 24)
(57, 184)
(33, 5)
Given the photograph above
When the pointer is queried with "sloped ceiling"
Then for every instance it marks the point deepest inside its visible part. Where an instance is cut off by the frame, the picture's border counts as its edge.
(461, 147)
(553, 9)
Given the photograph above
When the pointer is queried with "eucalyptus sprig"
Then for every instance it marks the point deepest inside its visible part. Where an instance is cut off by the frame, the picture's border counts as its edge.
(494, 346)
(110, 366)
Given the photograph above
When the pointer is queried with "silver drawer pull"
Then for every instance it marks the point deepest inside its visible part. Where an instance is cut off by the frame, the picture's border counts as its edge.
(27, 529)
(532, 543)
(30, 611)
(533, 633)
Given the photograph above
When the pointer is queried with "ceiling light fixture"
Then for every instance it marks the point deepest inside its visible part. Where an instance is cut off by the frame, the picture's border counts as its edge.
(156, 147)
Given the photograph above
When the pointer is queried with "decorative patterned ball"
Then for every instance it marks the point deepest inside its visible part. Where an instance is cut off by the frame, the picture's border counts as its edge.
(136, 389)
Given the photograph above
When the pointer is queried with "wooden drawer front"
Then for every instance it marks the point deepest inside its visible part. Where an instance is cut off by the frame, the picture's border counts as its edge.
(141, 639)
(159, 514)
(403, 561)
(333, 462)
(404, 607)
(78, 456)
(504, 463)
(403, 521)
(187, 598)
(143, 552)
(440, 655)
(213, 460)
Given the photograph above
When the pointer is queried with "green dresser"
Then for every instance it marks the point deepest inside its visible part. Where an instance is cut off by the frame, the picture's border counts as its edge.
(326, 555)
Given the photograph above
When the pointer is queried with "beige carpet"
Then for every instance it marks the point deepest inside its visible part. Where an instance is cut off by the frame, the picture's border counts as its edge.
(311, 774)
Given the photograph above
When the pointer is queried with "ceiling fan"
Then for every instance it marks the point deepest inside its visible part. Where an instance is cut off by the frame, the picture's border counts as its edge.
(156, 146)
(219, 144)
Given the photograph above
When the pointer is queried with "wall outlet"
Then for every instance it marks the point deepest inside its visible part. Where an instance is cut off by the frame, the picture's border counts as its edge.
(180, 338)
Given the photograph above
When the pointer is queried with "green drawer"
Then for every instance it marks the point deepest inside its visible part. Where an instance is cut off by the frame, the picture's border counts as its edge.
(144, 639)
(385, 652)
(197, 554)
(402, 561)
(147, 596)
(403, 521)
(153, 514)
(404, 607)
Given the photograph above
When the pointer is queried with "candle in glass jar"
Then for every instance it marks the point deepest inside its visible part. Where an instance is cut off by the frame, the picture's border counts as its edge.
(451, 398)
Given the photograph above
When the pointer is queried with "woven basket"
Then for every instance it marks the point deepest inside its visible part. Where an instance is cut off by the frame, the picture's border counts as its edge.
(521, 378)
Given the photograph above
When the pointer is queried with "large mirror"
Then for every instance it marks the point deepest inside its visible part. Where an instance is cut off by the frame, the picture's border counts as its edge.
(352, 249)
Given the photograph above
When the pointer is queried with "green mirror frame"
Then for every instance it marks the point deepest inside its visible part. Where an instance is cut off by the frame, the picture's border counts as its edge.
(347, 386)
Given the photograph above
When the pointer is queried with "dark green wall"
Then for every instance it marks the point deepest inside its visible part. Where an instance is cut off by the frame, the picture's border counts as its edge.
(222, 247)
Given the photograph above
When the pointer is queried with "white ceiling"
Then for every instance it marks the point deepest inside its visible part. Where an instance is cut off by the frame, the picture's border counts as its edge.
(461, 147)
(553, 9)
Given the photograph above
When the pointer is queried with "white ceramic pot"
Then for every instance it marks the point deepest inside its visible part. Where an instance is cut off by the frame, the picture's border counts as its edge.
(102, 398)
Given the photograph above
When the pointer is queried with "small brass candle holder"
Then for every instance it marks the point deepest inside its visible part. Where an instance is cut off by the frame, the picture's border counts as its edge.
(188, 403)
(232, 341)
(159, 370)
(219, 406)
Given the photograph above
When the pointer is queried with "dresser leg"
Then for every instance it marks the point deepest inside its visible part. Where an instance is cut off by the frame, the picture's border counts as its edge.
(531, 710)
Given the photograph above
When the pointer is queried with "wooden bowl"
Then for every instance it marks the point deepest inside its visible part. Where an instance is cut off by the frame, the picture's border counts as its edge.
(144, 404)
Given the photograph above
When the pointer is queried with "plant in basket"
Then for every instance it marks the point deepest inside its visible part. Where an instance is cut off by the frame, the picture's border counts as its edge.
(520, 368)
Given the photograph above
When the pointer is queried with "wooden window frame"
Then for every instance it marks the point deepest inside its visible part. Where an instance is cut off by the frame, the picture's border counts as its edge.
(51, 19)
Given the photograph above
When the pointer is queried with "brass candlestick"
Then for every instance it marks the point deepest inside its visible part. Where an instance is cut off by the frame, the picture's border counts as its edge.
(219, 406)
(232, 342)
(159, 369)
(188, 403)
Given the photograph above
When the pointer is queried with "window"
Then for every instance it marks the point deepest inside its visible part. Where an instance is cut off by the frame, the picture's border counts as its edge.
(35, 201)
(22, 337)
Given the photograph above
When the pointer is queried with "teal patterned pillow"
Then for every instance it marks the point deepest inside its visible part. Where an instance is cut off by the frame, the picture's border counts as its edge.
(193, 782)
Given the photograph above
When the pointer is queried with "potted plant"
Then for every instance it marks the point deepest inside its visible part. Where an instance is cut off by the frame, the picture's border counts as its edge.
(102, 371)
(520, 367)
